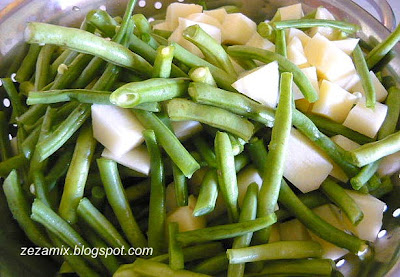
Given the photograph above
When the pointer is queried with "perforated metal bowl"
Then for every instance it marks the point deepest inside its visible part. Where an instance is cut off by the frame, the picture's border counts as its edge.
(17, 13)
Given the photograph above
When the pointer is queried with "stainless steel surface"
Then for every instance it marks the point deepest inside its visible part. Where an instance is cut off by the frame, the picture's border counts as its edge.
(68, 12)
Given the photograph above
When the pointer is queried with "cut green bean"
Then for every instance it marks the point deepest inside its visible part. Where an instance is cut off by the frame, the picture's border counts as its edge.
(64, 95)
(32, 114)
(365, 76)
(137, 191)
(258, 154)
(392, 117)
(364, 175)
(212, 266)
(248, 212)
(157, 206)
(384, 188)
(225, 231)
(202, 74)
(18, 108)
(63, 60)
(97, 196)
(208, 194)
(151, 90)
(374, 151)
(339, 196)
(176, 258)
(26, 87)
(19, 208)
(5, 146)
(182, 109)
(41, 188)
(117, 199)
(8, 165)
(226, 173)
(318, 226)
(275, 251)
(174, 148)
(280, 43)
(77, 174)
(163, 62)
(180, 185)
(102, 21)
(43, 66)
(88, 74)
(309, 23)
(285, 65)
(265, 30)
(28, 145)
(273, 173)
(28, 65)
(205, 150)
(154, 107)
(150, 40)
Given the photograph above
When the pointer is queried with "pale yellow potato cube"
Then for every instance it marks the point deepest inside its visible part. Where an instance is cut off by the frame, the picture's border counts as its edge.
(303, 105)
(389, 165)
(347, 45)
(137, 159)
(380, 91)
(186, 128)
(204, 18)
(311, 74)
(293, 230)
(295, 52)
(186, 220)
(164, 26)
(291, 12)
(237, 28)
(365, 120)
(218, 14)
(331, 62)
(323, 13)
(305, 167)
(348, 81)
(293, 32)
(334, 102)
(245, 177)
(259, 42)
(177, 10)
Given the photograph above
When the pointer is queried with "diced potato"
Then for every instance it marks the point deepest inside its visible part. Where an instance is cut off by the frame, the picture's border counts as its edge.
(334, 102)
(331, 62)
(165, 26)
(380, 91)
(259, 42)
(293, 32)
(323, 13)
(303, 105)
(302, 159)
(372, 208)
(328, 213)
(245, 177)
(293, 230)
(365, 120)
(170, 199)
(195, 182)
(186, 220)
(243, 27)
(348, 81)
(274, 234)
(290, 12)
(218, 14)
(344, 142)
(204, 18)
(295, 52)
(238, 69)
(347, 45)
(311, 74)
(137, 159)
(119, 131)
(186, 128)
(260, 84)
(389, 165)
(177, 10)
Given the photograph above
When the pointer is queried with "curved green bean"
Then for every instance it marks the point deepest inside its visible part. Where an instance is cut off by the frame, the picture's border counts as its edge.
(365, 77)
(392, 117)
(309, 23)
(208, 194)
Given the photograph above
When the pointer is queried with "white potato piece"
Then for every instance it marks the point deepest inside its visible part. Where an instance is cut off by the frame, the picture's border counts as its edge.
(365, 120)
(170, 199)
(116, 129)
(237, 28)
(389, 165)
(323, 13)
(305, 167)
(218, 14)
(380, 91)
(177, 10)
(348, 81)
(331, 62)
(259, 42)
(293, 32)
(245, 177)
(165, 26)
(186, 128)
(260, 84)
(328, 213)
(204, 18)
(372, 208)
(290, 12)
(295, 52)
(347, 45)
(137, 159)
(186, 220)
(334, 102)
(293, 230)
(311, 74)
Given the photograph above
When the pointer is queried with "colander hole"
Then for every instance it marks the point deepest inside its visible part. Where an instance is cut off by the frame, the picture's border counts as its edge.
(76, 8)
(10, 137)
(181, 0)
(6, 102)
(103, 7)
(142, 3)
(381, 234)
(396, 213)
(151, 19)
(158, 5)
(385, 208)
(340, 263)
(13, 77)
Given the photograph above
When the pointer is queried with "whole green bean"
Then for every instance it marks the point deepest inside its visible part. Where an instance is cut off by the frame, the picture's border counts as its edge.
(18, 108)
(208, 194)
(63, 95)
(176, 258)
(212, 266)
(392, 117)
(309, 23)
(280, 43)
(117, 199)
(163, 62)
(365, 76)
(225, 231)
(157, 207)
(5, 146)
(43, 66)
(28, 65)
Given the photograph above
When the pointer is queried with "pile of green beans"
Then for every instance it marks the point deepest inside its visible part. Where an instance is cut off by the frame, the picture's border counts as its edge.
(61, 191)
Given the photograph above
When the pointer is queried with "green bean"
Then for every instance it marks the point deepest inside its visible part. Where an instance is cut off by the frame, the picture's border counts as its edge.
(162, 33)
(65, 58)
(344, 201)
(64, 131)
(202, 74)
(364, 175)
(275, 251)
(380, 51)
(88, 43)
(205, 150)
(28, 65)
(77, 174)
(8, 165)
(212, 50)
(102, 21)
(137, 191)
(19, 208)
(309, 23)
(258, 154)
(163, 62)
(393, 102)
(157, 208)
(233, 102)
(318, 226)
(43, 66)
(97, 196)
(248, 212)
(63, 95)
(5, 146)
(99, 223)
(26, 87)
(374, 151)
(365, 77)
(18, 108)
(87, 75)
(29, 144)
(384, 188)
(226, 173)
(301, 267)
(150, 40)
(154, 107)
(225, 231)
(117, 199)
(181, 109)
(32, 114)
(142, 267)
(151, 90)
(223, 79)
(212, 266)
(208, 194)
(285, 65)
(265, 30)
(175, 150)
(141, 23)
(280, 43)
(273, 173)
(333, 128)
(41, 188)
(180, 185)
(176, 258)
